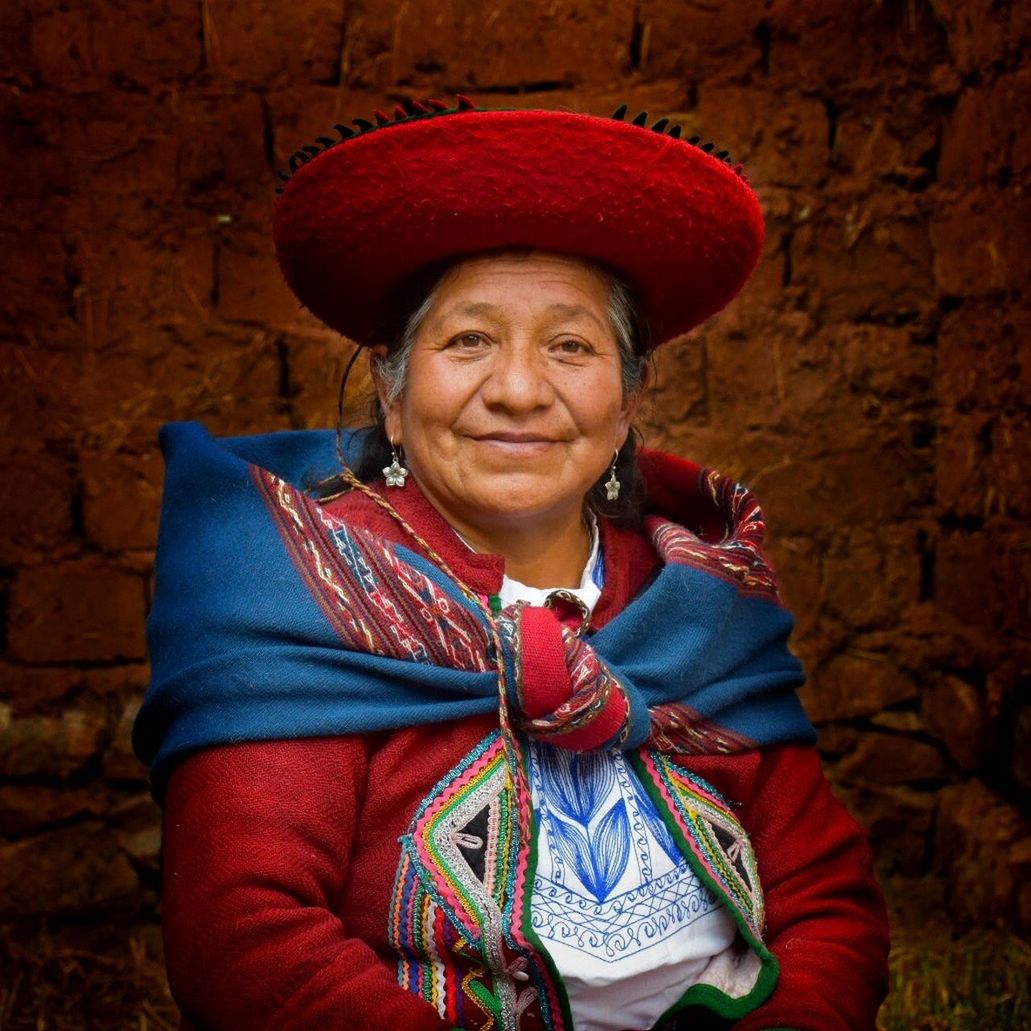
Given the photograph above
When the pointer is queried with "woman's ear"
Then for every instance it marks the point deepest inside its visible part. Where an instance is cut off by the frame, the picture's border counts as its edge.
(631, 403)
(392, 424)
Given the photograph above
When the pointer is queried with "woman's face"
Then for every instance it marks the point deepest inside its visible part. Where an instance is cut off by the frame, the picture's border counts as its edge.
(513, 405)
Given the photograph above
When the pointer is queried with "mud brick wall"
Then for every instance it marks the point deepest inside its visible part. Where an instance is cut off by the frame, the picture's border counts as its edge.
(871, 385)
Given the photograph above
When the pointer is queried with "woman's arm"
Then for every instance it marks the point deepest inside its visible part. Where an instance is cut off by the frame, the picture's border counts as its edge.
(825, 915)
(256, 845)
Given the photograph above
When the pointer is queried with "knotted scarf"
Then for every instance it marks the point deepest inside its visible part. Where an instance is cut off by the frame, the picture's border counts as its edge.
(274, 619)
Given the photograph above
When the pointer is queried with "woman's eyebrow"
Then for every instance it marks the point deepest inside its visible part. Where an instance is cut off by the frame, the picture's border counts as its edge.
(470, 308)
(474, 308)
(572, 311)
(564, 311)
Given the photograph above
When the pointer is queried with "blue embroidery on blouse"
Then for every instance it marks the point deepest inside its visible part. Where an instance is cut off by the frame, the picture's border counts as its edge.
(610, 880)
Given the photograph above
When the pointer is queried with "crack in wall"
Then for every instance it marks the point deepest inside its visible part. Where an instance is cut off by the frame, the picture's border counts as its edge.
(268, 134)
(518, 89)
(762, 36)
(285, 388)
(635, 49)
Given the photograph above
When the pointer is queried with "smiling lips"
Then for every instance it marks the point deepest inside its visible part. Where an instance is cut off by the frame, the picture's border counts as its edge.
(516, 443)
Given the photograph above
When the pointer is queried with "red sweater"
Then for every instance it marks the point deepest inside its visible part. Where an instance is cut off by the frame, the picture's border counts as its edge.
(280, 857)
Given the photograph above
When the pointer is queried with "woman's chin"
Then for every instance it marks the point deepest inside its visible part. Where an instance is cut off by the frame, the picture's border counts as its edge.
(518, 496)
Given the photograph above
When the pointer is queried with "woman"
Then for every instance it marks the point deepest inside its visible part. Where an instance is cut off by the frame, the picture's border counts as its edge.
(501, 733)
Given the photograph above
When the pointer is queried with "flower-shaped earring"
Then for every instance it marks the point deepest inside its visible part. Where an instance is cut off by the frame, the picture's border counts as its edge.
(395, 473)
(612, 485)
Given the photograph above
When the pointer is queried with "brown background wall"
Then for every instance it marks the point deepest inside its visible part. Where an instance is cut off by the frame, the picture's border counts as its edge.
(871, 385)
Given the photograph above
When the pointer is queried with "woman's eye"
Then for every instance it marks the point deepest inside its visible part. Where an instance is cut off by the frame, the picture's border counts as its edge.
(573, 346)
(468, 341)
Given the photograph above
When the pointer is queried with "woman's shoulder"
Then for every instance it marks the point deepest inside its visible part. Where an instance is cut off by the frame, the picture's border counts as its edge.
(361, 512)
(405, 516)
(630, 562)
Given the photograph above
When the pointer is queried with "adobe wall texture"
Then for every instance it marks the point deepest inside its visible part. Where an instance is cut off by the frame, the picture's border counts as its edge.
(871, 385)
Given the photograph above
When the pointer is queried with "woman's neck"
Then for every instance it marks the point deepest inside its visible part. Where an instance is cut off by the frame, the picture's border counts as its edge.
(538, 556)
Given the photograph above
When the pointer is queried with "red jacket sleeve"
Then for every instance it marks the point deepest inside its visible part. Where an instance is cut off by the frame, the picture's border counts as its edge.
(255, 856)
(825, 915)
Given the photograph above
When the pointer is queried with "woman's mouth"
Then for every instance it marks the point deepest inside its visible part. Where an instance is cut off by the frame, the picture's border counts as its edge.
(516, 444)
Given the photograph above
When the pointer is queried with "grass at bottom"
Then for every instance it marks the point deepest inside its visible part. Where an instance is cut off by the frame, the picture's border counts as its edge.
(79, 977)
(976, 982)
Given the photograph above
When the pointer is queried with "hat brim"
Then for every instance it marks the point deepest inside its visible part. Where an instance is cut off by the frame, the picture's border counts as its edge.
(363, 216)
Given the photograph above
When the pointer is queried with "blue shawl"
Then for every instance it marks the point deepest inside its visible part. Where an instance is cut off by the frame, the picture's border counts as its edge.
(273, 620)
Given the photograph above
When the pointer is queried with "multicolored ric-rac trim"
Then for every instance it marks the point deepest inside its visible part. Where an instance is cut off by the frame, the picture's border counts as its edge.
(718, 841)
(455, 918)
(459, 914)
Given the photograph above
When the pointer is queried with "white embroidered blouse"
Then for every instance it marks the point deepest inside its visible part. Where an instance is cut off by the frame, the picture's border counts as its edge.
(627, 922)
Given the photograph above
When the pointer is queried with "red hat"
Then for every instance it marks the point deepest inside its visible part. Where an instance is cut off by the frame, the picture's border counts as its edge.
(366, 209)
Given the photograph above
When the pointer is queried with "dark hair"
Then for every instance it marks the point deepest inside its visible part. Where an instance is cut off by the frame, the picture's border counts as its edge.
(408, 308)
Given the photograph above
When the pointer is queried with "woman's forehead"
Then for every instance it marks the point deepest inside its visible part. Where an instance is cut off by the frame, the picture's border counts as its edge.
(564, 285)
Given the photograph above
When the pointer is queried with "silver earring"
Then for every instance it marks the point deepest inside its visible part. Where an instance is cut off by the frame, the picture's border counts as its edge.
(395, 473)
(612, 485)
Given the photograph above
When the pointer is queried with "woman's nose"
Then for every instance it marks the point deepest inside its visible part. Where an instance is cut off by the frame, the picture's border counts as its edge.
(518, 380)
